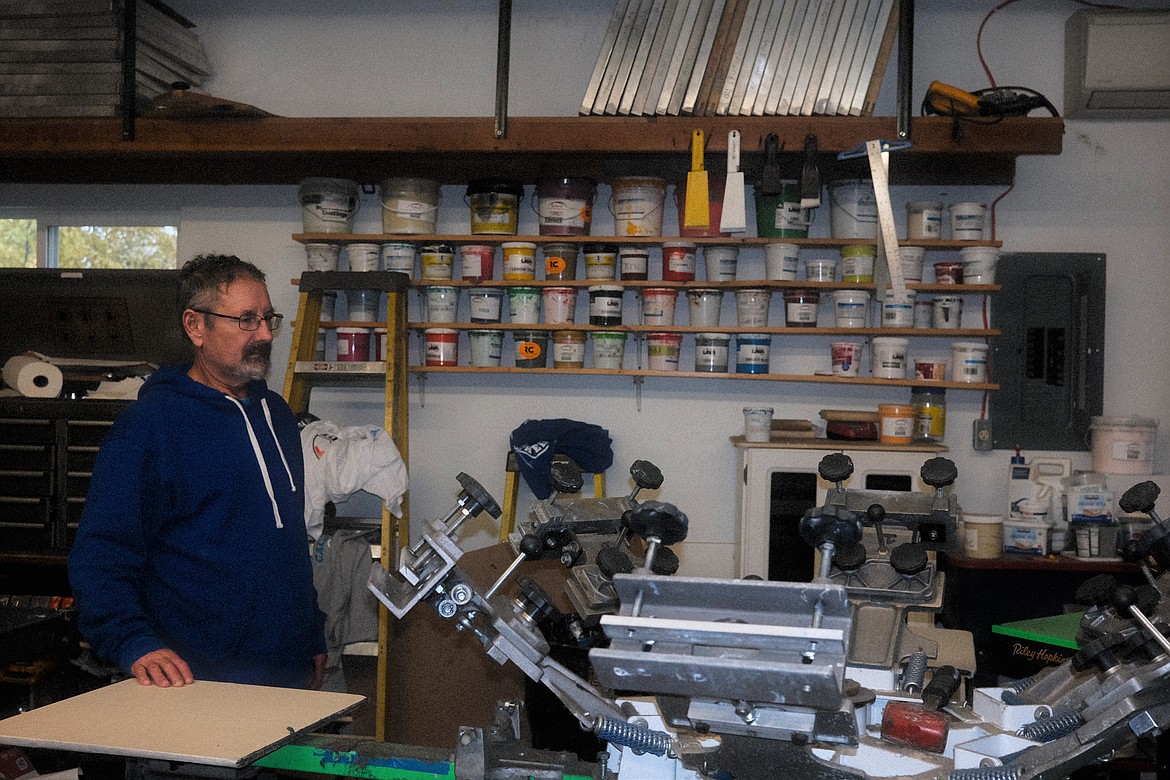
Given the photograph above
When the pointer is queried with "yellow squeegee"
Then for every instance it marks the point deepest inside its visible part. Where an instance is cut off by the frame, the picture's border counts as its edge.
(697, 212)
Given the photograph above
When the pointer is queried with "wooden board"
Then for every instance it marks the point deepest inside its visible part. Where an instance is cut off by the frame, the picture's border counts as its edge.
(211, 723)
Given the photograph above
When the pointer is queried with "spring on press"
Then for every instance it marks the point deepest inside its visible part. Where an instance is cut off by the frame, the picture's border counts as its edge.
(1052, 728)
(986, 773)
(915, 674)
(1011, 694)
(634, 737)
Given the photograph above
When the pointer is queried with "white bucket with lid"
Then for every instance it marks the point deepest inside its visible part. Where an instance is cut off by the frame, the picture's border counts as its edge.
(889, 357)
(636, 204)
(967, 221)
(1123, 445)
(854, 209)
(968, 361)
(851, 308)
(328, 205)
(410, 206)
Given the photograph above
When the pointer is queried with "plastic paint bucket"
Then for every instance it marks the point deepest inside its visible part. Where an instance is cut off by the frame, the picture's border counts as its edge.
(322, 257)
(560, 305)
(442, 304)
(637, 205)
(486, 304)
(568, 349)
(658, 304)
(524, 305)
(519, 260)
(800, 308)
(399, 258)
(438, 261)
(923, 312)
(979, 264)
(948, 311)
(967, 221)
(478, 262)
(328, 205)
(781, 261)
(678, 261)
(714, 209)
(353, 344)
(752, 307)
(704, 306)
(846, 358)
(495, 205)
(948, 273)
(634, 263)
(711, 352)
(820, 270)
(1123, 445)
(442, 346)
(911, 257)
(780, 215)
(924, 219)
(889, 357)
(752, 353)
(968, 361)
(378, 345)
(721, 262)
(564, 205)
(600, 261)
(363, 304)
(486, 347)
(857, 263)
(934, 370)
(757, 423)
(410, 206)
(363, 257)
(662, 351)
(854, 209)
(560, 261)
(608, 349)
(898, 314)
(531, 348)
(851, 308)
(605, 305)
(982, 535)
(895, 423)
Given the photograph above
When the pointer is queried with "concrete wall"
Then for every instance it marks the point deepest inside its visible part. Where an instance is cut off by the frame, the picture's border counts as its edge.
(1108, 192)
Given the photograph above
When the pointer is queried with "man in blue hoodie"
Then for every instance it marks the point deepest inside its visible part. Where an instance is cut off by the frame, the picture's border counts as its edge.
(191, 560)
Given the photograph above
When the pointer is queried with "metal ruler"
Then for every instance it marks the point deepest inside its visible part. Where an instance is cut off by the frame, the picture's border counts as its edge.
(888, 263)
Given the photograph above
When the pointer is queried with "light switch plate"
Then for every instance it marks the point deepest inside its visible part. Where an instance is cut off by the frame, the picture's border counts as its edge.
(981, 436)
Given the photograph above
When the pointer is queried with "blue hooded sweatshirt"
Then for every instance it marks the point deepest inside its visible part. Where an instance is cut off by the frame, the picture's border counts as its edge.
(193, 536)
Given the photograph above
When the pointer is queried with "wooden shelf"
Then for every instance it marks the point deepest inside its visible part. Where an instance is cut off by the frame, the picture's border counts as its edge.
(776, 284)
(284, 150)
(776, 331)
(1041, 563)
(778, 443)
(639, 372)
(458, 240)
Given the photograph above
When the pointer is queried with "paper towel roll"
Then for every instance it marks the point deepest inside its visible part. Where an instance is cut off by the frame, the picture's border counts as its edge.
(32, 377)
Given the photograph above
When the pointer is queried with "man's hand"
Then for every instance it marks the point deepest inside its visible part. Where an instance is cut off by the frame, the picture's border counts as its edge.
(317, 675)
(163, 668)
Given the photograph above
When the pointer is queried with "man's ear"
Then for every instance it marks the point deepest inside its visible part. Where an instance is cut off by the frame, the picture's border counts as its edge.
(194, 324)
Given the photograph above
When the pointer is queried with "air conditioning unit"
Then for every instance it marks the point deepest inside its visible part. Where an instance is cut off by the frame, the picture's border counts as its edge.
(1117, 64)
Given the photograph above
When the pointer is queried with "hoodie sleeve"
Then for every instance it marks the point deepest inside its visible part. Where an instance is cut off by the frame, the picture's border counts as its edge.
(108, 559)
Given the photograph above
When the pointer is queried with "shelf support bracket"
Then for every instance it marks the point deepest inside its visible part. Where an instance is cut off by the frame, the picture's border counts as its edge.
(129, 85)
(503, 65)
(422, 389)
(639, 380)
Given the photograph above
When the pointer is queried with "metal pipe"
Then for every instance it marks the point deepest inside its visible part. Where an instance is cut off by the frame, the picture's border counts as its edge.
(503, 64)
(905, 67)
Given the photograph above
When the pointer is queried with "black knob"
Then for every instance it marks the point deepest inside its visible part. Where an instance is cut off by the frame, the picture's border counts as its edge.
(842, 528)
(850, 558)
(611, 561)
(534, 599)
(1144, 598)
(646, 475)
(835, 467)
(1131, 551)
(655, 518)
(943, 684)
(1140, 497)
(876, 514)
(479, 496)
(939, 472)
(1096, 591)
(531, 547)
(908, 559)
(564, 476)
(665, 562)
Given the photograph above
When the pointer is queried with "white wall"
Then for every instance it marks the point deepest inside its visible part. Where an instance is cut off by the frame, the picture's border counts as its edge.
(1108, 192)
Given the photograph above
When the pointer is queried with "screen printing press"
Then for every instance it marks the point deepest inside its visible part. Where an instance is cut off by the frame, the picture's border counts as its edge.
(693, 678)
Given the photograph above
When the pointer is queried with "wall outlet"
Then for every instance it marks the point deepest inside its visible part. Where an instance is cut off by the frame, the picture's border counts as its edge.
(981, 436)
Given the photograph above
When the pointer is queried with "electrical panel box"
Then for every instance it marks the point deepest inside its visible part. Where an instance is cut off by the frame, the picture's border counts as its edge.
(1117, 64)
(1049, 359)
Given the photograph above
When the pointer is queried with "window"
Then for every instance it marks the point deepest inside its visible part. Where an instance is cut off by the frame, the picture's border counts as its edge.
(90, 246)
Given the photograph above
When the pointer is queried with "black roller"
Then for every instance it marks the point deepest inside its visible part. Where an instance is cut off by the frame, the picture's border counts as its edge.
(835, 467)
(1140, 497)
(646, 475)
(908, 559)
(479, 496)
(939, 472)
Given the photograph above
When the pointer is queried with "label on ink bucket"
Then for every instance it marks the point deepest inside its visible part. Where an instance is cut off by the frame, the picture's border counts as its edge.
(566, 213)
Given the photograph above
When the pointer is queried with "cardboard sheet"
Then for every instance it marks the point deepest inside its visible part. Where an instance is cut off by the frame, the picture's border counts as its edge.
(217, 724)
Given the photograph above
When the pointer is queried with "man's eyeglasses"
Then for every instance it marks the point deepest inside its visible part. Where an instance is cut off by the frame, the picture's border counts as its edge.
(249, 321)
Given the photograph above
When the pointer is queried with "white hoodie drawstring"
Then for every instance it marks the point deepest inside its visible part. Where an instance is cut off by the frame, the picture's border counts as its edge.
(275, 438)
(260, 458)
